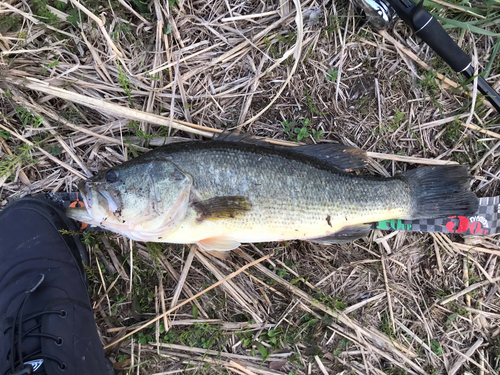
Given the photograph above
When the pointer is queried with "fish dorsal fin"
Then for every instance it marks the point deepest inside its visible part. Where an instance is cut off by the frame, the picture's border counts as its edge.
(227, 136)
(344, 158)
(219, 243)
(346, 234)
(226, 207)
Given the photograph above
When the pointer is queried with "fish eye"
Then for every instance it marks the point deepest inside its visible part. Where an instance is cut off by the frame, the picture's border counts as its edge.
(111, 176)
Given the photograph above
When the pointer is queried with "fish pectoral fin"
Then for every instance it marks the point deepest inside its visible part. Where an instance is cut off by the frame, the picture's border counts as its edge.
(220, 243)
(346, 234)
(344, 158)
(226, 207)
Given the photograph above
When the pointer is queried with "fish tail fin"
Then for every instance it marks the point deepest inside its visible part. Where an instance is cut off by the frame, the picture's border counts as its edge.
(440, 191)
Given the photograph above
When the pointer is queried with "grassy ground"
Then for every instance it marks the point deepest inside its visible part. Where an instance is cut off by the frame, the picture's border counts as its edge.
(86, 87)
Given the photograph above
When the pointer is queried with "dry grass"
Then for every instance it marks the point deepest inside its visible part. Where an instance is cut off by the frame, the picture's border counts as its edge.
(94, 85)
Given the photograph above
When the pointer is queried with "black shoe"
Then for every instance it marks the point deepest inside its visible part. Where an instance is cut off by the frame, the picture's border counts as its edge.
(46, 323)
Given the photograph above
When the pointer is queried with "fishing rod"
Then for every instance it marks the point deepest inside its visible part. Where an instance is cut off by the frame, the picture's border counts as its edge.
(382, 13)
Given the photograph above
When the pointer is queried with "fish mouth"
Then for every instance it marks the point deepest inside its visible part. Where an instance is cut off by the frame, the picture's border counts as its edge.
(86, 191)
(112, 205)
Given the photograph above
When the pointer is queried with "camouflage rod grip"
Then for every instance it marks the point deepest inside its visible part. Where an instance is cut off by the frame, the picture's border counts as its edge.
(486, 221)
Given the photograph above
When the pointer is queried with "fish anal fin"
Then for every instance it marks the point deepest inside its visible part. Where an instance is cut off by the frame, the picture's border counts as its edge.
(345, 158)
(219, 244)
(346, 234)
(227, 207)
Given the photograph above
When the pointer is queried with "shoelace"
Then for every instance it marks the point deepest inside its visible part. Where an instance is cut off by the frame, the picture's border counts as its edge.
(18, 336)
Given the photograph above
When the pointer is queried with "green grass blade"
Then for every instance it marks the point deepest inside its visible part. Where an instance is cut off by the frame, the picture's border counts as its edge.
(452, 24)
(494, 54)
(432, 5)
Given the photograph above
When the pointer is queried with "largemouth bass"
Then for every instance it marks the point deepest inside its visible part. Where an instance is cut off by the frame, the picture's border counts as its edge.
(221, 193)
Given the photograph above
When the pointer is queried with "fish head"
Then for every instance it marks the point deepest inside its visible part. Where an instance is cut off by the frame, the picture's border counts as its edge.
(142, 200)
